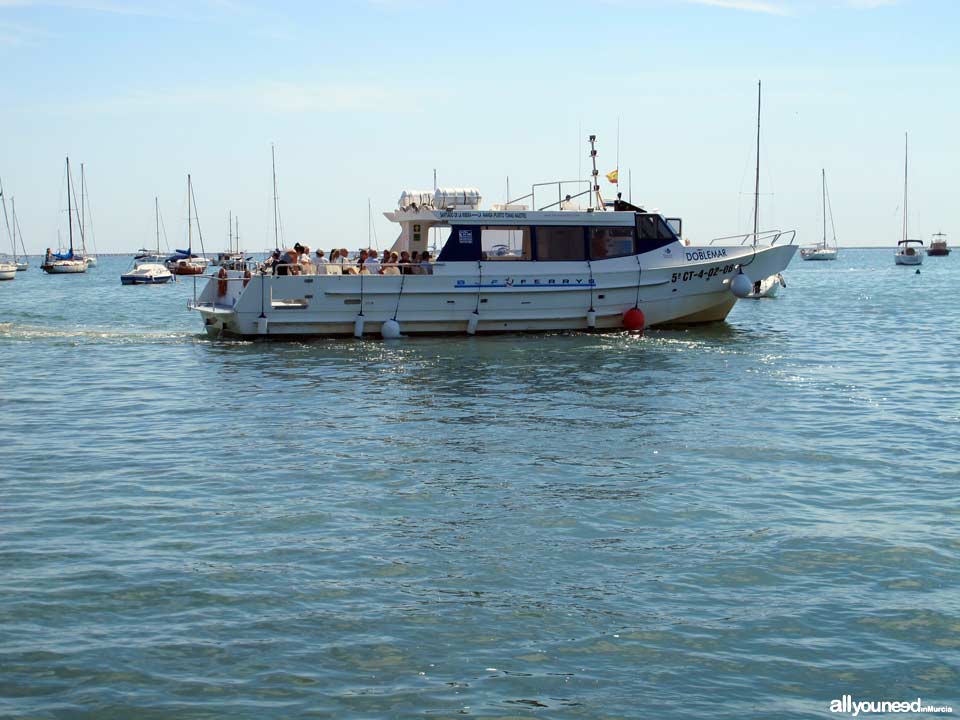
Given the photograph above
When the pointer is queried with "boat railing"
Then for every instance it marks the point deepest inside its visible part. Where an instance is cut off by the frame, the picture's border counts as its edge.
(764, 237)
(561, 196)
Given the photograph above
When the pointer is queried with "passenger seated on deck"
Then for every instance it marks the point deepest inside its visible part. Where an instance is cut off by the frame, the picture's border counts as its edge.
(269, 265)
(306, 262)
(372, 263)
(390, 261)
(361, 261)
(425, 265)
(334, 256)
(288, 262)
(404, 263)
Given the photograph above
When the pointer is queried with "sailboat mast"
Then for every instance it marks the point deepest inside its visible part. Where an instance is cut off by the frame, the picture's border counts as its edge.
(756, 187)
(823, 176)
(156, 210)
(189, 215)
(13, 222)
(906, 141)
(230, 231)
(273, 164)
(6, 220)
(69, 208)
(83, 192)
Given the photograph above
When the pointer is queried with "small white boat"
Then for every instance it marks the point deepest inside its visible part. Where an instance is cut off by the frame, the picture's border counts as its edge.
(147, 274)
(68, 262)
(768, 287)
(8, 270)
(909, 252)
(148, 267)
(823, 251)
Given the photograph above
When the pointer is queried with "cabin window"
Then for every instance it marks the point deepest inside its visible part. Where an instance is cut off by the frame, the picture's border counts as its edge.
(610, 242)
(506, 243)
(560, 243)
(653, 232)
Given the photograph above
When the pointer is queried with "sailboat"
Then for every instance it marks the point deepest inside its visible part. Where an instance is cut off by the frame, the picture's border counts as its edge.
(61, 263)
(8, 266)
(822, 251)
(22, 261)
(148, 269)
(909, 252)
(13, 231)
(91, 258)
(768, 286)
(184, 262)
(234, 258)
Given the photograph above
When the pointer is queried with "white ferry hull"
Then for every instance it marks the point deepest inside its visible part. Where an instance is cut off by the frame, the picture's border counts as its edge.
(462, 298)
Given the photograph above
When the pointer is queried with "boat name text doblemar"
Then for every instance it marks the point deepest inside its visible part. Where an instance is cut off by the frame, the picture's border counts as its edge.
(708, 254)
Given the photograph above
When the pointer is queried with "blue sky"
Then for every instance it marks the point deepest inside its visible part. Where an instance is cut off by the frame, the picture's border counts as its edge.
(366, 98)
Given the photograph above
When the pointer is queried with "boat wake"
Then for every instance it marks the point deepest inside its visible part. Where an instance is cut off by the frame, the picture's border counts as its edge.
(18, 332)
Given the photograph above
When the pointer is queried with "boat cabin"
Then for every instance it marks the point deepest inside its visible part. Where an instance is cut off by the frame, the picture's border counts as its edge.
(511, 233)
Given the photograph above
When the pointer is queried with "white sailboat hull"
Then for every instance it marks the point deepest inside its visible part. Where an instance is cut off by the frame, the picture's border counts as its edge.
(488, 297)
(8, 271)
(904, 259)
(62, 267)
(818, 253)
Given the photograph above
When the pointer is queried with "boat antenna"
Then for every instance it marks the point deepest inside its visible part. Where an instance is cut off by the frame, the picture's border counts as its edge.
(596, 185)
(434, 179)
(617, 176)
(276, 212)
(756, 187)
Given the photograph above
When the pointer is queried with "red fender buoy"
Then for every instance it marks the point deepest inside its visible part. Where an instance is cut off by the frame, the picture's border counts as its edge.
(222, 282)
(633, 319)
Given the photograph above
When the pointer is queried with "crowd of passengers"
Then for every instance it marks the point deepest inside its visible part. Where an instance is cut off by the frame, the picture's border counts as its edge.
(299, 261)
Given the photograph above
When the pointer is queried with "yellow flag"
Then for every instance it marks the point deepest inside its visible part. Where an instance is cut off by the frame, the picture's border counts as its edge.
(614, 177)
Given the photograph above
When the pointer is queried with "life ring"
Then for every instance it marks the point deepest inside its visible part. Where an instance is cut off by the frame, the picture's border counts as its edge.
(222, 282)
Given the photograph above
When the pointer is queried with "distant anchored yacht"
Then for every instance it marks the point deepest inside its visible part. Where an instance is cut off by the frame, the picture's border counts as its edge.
(608, 266)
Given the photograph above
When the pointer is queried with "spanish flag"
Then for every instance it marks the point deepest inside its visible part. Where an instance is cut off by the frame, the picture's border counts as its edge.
(614, 177)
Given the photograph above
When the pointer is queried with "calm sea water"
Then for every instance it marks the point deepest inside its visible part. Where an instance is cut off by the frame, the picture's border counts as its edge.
(744, 520)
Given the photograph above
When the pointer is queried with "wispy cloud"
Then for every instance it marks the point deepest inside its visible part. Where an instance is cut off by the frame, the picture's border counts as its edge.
(768, 8)
(262, 97)
(791, 7)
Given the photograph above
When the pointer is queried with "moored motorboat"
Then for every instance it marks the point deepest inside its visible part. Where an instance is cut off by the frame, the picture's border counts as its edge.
(938, 245)
(8, 270)
(604, 268)
(148, 268)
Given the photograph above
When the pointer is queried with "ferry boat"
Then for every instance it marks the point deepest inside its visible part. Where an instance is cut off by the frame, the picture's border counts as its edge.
(606, 267)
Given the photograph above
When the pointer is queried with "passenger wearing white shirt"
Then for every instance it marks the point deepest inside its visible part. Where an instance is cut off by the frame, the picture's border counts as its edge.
(372, 264)
(320, 259)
